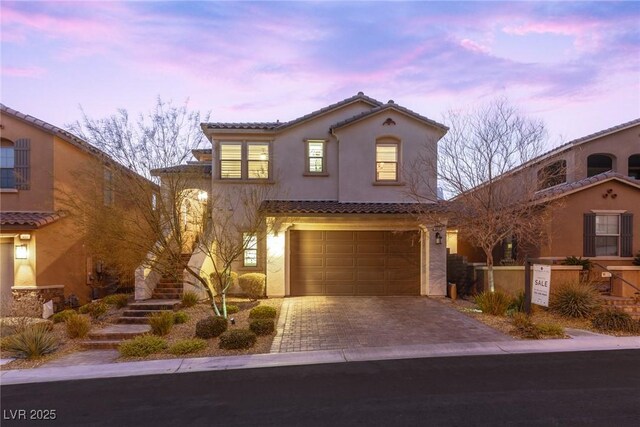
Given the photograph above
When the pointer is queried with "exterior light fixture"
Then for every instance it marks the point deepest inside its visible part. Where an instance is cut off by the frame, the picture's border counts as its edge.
(25, 236)
(22, 252)
(438, 238)
(233, 321)
(203, 196)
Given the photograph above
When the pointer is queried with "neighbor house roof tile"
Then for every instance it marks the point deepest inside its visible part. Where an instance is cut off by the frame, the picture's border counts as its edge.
(29, 219)
(570, 187)
(387, 106)
(335, 207)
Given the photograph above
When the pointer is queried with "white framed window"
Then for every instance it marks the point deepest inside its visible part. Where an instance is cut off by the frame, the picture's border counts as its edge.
(250, 258)
(387, 160)
(316, 156)
(257, 160)
(244, 160)
(607, 242)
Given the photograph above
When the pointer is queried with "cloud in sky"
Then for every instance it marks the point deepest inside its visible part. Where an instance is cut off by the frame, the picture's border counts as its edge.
(262, 61)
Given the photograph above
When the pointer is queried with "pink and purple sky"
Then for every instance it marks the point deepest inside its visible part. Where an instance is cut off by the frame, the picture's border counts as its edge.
(576, 65)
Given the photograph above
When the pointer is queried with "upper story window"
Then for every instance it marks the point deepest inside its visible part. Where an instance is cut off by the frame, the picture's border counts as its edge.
(316, 156)
(634, 166)
(240, 160)
(387, 161)
(7, 164)
(552, 174)
(598, 163)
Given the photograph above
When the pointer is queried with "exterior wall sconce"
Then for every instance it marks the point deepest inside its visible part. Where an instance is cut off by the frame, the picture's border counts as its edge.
(203, 196)
(22, 252)
(25, 236)
(438, 238)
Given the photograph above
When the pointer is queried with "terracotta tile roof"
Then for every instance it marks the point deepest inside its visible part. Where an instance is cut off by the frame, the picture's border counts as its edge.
(29, 219)
(387, 106)
(335, 207)
(570, 187)
(275, 126)
(191, 168)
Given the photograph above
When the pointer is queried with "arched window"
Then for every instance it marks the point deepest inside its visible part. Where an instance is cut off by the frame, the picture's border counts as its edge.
(634, 166)
(7, 164)
(598, 163)
(552, 174)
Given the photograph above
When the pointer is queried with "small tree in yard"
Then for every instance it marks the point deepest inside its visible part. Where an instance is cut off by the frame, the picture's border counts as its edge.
(488, 203)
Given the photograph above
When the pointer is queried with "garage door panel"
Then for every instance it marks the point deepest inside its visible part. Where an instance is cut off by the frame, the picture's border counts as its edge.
(354, 263)
(344, 261)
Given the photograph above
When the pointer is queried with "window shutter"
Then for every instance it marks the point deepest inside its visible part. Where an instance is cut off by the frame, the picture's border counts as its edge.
(626, 234)
(589, 235)
(21, 165)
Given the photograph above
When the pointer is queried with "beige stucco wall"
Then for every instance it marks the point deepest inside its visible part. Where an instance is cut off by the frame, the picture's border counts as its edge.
(510, 280)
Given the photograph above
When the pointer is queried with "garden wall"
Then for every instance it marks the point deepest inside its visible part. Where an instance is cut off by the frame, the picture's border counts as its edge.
(510, 279)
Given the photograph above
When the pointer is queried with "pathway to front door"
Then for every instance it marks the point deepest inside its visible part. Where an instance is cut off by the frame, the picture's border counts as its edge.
(324, 323)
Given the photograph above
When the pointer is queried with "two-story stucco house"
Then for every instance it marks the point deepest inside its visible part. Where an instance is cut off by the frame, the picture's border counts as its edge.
(347, 224)
(43, 255)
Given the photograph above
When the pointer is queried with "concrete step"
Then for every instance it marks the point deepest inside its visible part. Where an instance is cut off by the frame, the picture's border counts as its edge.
(168, 290)
(133, 320)
(101, 345)
(118, 332)
(155, 304)
(171, 296)
(169, 286)
(141, 313)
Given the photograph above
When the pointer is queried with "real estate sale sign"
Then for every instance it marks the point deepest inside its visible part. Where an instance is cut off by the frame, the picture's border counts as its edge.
(541, 284)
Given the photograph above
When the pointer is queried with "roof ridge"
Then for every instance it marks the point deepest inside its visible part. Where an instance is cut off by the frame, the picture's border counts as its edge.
(389, 104)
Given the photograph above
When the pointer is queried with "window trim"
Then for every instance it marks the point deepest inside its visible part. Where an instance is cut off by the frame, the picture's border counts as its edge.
(8, 145)
(307, 158)
(616, 235)
(398, 162)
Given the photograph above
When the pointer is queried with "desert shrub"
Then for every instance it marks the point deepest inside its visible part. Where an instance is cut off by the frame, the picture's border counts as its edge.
(142, 345)
(253, 284)
(237, 339)
(119, 300)
(77, 325)
(574, 299)
(219, 279)
(34, 341)
(4, 342)
(524, 326)
(186, 346)
(615, 320)
(189, 299)
(572, 260)
(517, 304)
(494, 303)
(180, 317)
(211, 327)
(232, 309)
(262, 326)
(262, 312)
(550, 329)
(94, 309)
(63, 315)
(161, 323)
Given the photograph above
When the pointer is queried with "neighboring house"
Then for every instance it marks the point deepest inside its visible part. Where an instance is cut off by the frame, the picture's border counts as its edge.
(43, 255)
(347, 225)
(595, 182)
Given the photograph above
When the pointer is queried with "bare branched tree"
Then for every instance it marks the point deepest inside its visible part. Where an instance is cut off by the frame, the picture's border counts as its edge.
(476, 158)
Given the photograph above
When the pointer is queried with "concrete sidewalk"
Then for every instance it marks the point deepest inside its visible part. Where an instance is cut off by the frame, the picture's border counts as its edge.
(172, 366)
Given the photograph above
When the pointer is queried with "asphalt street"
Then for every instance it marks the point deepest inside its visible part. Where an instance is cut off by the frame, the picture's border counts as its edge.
(600, 388)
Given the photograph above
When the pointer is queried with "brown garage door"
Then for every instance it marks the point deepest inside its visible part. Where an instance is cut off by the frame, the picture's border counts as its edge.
(355, 263)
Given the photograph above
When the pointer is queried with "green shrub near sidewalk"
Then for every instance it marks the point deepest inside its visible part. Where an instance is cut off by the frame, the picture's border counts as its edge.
(262, 326)
(615, 321)
(237, 339)
(211, 327)
(63, 315)
(189, 299)
(187, 346)
(494, 303)
(142, 345)
(77, 326)
(574, 300)
(161, 323)
(180, 317)
(262, 312)
(32, 342)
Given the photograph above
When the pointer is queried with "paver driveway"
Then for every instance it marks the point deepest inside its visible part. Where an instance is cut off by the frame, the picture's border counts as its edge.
(323, 323)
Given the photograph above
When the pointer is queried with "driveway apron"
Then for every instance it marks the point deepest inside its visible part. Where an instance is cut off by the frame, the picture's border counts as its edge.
(325, 323)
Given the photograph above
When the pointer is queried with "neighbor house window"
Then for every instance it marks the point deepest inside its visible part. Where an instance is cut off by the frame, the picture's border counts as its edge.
(231, 160)
(244, 160)
(387, 155)
(316, 153)
(553, 174)
(634, 166)
(250, 258)
(599, 163)
(258, 160)
(107, 189)
(607, 235)
(7, 164)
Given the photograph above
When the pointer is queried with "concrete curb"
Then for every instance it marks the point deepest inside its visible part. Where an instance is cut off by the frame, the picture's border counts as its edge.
(268, 360)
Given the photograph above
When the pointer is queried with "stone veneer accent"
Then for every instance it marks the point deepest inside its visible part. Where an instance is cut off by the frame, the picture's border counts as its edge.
(27, 300)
